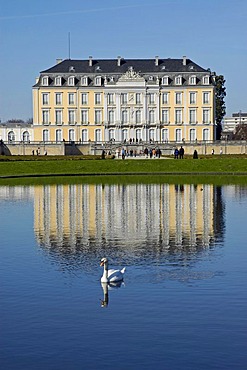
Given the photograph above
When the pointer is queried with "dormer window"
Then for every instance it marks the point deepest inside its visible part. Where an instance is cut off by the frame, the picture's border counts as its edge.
(58, 81)
(178, 80)
(84, 81)
(165, 80)
(45, 81)
(71, 69)
(150, 78)
(97, 81)
(192, 80)
(205, 80)
(71, 81)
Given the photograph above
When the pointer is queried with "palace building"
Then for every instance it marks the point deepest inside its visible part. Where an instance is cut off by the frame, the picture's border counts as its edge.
(122, 100)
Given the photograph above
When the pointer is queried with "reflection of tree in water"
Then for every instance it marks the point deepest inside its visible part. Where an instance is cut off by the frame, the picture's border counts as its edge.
(149, 243)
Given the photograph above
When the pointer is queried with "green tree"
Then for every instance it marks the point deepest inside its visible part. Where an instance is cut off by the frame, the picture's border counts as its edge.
(220, 111)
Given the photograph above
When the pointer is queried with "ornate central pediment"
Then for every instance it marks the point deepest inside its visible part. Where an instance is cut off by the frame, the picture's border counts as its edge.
(132, 78)
(131, 75)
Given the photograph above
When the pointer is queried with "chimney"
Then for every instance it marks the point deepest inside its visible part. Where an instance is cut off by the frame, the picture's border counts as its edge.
(59, 60)
(156, 60)
(119, 61)
(184, 61)
(90, 62)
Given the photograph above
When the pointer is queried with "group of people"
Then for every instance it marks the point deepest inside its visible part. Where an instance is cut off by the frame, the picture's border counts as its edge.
(179, 153)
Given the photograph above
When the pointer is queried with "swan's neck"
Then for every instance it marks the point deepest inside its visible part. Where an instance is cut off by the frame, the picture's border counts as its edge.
(105, 274)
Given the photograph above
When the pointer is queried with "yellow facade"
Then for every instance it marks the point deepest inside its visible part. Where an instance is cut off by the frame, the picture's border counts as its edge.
(121, 100)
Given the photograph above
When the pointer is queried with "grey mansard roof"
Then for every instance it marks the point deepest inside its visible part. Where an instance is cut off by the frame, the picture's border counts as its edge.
(107, 66)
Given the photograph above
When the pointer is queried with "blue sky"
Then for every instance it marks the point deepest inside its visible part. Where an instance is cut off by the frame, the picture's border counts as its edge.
(33, 34)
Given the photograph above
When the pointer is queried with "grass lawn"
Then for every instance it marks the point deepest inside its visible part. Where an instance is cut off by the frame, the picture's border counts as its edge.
(220, 169)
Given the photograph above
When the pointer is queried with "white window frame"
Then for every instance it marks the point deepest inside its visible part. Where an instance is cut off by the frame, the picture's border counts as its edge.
(192, 116)
(84, 135)
(138, 98)
(97, 98)
(71, 98)
(84, 116)
(110, 98)
(165, 81)
(71, 116)
(178, 98)
(124, 98)
(71, 134)
(165, 116)
(205, 134)
(124, 116)
(98, 81)
(98, 135)
(98, 116)
(206, 116)
(206, 97)
(58, 81)
(192, 134)
(59, 137)
(205, 80)
(45, 135)
(84, 81)
(193, 97)
(45, 81)
(192, 80)
(178, 135)
(45, 98)
(58, 116)
(178, 80)
(84, 98)
(178, 116)
(165, 98)
(58, 98)
(45, 117)
(71, 81)
(111, 116)
(165, 135)
(138, 116)
(152, 98)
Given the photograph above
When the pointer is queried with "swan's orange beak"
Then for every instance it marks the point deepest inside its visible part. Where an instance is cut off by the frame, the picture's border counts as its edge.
(102, 263)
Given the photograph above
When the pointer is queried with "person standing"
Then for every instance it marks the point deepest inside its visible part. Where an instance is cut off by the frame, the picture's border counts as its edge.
(176, 153)
(181, 153)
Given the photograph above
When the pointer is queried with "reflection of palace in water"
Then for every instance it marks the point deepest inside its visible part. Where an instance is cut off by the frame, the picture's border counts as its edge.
(163, 215)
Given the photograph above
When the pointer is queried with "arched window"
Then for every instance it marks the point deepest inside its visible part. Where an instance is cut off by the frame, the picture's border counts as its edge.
(25, 136)
(178, 135)
(11, 136)
(138, 134)
(98, 135)
(165, 136)
(58, 136)
(45, 135)
(151, 134)
(111, 134)
(124, 135)
(71, 135)
(84, 137)
(192, 134)
(205, 134)
(111, 116)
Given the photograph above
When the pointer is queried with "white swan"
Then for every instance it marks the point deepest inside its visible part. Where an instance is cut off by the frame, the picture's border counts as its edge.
(110, 276)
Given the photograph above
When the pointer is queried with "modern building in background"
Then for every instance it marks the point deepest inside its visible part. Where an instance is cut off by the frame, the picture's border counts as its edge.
(123, 100)
(231, 125)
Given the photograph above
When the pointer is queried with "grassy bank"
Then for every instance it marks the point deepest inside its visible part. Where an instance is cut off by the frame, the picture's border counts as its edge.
(66, 166)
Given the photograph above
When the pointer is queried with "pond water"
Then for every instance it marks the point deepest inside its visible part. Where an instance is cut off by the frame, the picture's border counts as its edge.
(183, 301)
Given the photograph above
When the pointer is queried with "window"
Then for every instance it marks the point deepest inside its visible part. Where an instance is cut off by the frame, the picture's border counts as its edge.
(205, 80)
(111, 116)
(192, 97)
(151, 98)
(151, 134)
(165, 98)
(138, 98)
(71, 135)
(111, 134)
(71, 81)
(138, 116)
(97, 81)
(97, 98)
(165, 116)
(11, 136)
(178, 116)
(58, 117)
(124, 98)
(98, 116)
(124, 116)
(165, 135)
(124, 134)
(71, 117)
(58, 136)
(205, 115)
(58, 81)
(58, 98)
(178, 135)
(98, 135)
(84, 81)
(71, 98)
(205, 134)
(165, 80)
(84, 136)
(138, 135)
(192, 113)
(110, 98)
(84, 116)
(192, 80)
(206, 97)
(45, 135)
(178, 80)
(192, 134)
(45, 117)
(151, 116)
(45, 98)
(84, 98)
(45, 81)
(26, 136)
(178, 98)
